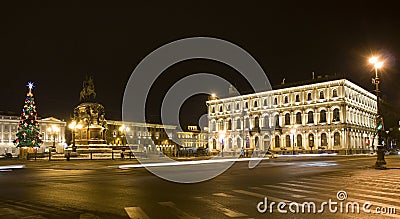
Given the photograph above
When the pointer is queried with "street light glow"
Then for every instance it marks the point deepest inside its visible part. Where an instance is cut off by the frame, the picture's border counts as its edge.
(72, 125)
(373, 60)
(378, 65)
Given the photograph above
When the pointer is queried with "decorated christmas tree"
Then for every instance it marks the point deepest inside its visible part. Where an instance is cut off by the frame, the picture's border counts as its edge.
(28, 134)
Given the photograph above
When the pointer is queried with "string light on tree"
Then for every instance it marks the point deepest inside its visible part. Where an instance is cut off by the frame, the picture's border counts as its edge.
(28, 134)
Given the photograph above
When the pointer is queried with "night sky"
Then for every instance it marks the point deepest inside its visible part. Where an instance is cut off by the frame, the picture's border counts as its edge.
(56, 46)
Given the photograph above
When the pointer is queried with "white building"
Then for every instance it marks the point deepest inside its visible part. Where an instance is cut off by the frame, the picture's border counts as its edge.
(335, 116)
(193, 138)
(9, 127)
(149, 137)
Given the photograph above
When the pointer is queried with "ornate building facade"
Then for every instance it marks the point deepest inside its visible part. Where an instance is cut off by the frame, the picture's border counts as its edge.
(193, 138)
(144, 136)
(9, 126)
(335, 116)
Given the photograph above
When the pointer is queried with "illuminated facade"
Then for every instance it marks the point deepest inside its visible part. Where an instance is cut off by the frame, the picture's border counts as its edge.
(149, 137)
(193, 138)
(335, 116)
(9, 126)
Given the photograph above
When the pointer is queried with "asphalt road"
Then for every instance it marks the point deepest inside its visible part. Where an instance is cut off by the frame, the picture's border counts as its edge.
(99, 189)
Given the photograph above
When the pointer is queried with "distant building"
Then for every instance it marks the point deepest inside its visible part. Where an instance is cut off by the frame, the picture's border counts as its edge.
(335, 115)
(149, 137)
(193, 138)
(9, 127)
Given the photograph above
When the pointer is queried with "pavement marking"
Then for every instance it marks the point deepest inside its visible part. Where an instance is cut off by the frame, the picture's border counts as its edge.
(375, 203)
(136, 213)
(181, 214)
(333, 189)
(357, 193)
(276, 191)
(260, 195)
(221, 208)
(368, 185)
(221, 194)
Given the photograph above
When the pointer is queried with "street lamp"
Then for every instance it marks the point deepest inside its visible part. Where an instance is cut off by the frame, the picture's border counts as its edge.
(292, 133)
(73, 126)
(123, 129)
(53, 130)
(380, 159)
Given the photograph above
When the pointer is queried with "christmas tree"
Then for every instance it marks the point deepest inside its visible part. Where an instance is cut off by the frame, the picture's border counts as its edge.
(28, 134)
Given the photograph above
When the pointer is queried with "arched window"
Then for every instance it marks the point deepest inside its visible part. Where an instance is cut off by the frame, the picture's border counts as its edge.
(267, 142)
(321, 95)
(334, 93)
(228, 107)
(221, 125)
(336, 115)
(276, 119)
(298, 118)
(220, 109)
(287, 119)
(213, 110)
(309, 97)
(311, 141)
(239, 142)
(310, 117)
(275, 101)
(247, 123)
(238, 124)
(256, 142)
(265, 102)
(266, 121)
(246, 105)
(286, 99)
(322, 116)
(336, 139)
(299, 140)
(237, 106)
(277, 143)
(213, 126)
(297, 98)
(230, 143)
(255, 103)
(287, 139)
(229, 124)
(324, 140)
(214, 144)
(256, 122)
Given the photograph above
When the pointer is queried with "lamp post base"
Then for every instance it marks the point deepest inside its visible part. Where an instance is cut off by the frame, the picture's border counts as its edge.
(380, 159)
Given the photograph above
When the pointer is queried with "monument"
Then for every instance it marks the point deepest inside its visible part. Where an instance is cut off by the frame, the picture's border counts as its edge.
(89, 124)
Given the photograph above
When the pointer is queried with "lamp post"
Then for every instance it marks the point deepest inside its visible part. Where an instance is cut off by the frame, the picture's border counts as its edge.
(53, 130)
(73, 126)
(380, 159)
(123, 129)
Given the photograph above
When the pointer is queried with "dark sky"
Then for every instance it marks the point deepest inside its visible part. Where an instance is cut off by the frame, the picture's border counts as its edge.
(56, 46)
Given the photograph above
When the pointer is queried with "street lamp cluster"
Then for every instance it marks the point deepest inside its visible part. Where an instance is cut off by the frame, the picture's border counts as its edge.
(73, 126)
(123, 130)
(380, 161)
(53, 130)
